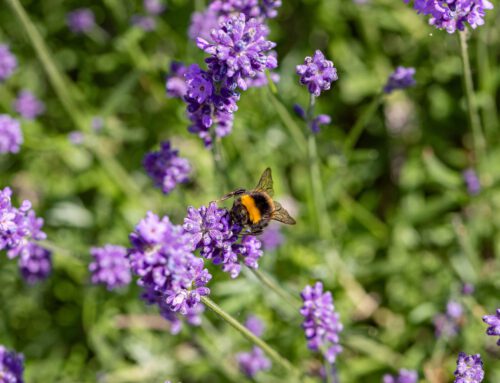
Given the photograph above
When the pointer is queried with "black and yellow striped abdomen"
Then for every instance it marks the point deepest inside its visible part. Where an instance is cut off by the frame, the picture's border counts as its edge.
(258, 206)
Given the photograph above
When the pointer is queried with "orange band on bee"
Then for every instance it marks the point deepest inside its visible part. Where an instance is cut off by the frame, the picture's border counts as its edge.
(253, 211)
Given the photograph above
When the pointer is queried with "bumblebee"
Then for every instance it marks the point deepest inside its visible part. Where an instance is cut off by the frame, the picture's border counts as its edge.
(256, 208)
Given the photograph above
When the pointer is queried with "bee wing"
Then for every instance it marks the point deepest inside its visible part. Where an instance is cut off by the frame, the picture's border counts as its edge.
(281, 215)
(266, 183)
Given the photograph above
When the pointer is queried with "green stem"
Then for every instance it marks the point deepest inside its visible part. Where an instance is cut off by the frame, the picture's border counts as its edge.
(475, 124)
(62, 88)
(360, 124)
(219, 171)
(273, 354)
(321, 211)
(283, 294)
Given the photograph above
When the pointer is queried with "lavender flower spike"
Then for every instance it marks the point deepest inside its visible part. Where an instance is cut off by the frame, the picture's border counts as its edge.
(469, 369)
(28, 106)
(493, 321)
(11, 136)
(11, 366)
(401, 78)
(110, 266)
(321, 323)
(166, 168)
(35, 263)
(251, 363)
(317, 73)
(175, 82)
(405, 376)
(8, 62)
(238, 50)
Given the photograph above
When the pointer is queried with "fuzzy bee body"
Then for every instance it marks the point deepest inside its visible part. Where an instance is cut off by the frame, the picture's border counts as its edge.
(256, 208)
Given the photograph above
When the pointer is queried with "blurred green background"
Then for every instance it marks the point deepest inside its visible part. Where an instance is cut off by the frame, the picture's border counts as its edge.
(405, 232)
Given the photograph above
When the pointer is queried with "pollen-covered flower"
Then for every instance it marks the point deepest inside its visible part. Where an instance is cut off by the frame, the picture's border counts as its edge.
(28, 106)
(169, 273)
(110, 266)
(469, 369)
(8, 62)
(317, 73)
(11, 136)
(35, 263)
(81, 20)
(166, 168)
(493, 321)
(11, 366)
(453, 14)
(321, 323)
(238, 50)
(401, 78)
(404, 376)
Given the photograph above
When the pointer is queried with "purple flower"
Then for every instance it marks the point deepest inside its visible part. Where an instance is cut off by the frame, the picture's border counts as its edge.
(11, 366)
(318, 121)
(448, 325)
(454, 309)
(317, 73)
(110, 266)
(8, 62)
(405, 376)
(80, 20)
(176, 83)
(472, 181)
(255, 325)
(199, 84)
(166, 168)
(154, 7)
(171, 276)
(35, 263)
(146, 23)
(321, 323)
(493, 321)
(467, 289)
(76, 137)
(401, 78)
(271, 238)
(251, 363)
(11, 136)
(453, 14)
(212, 231)
(261, 10)
(238, 50)
(469, 369)
(28, 106)
(97, 123)
(202, 24)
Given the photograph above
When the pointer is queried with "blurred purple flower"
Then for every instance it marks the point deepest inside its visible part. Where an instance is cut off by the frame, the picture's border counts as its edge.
(238, 50)
(76, 137)
(317, 73)
(154, 7)
(261, 10)
(454, 309)
(80, 20)
(216, 236)
(318, 121)
(453, 14)
(472, 181)
(467, 289)
(448, 324)
(169, 273)
(251, 363)
(321, 323)
(166, 168)
(35, 263)
(202, 24)
(176, 83)
(255, 325)
(97, 123)
(28, 106)
(11, 136)
(8, 62)
(110, 266)
(11, 366)
(401, 78)
(469, 369)
(405, 376)
(271, 238)
(146, 23)
(493, 321)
